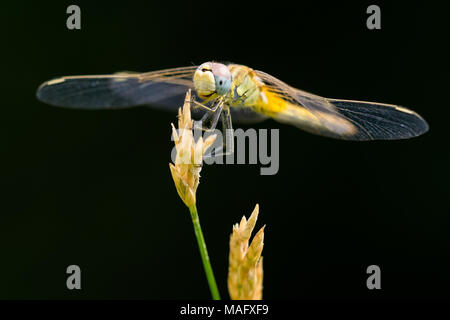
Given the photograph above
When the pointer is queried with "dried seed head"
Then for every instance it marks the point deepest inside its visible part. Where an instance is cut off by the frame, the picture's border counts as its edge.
(245, 273)
(187, 167)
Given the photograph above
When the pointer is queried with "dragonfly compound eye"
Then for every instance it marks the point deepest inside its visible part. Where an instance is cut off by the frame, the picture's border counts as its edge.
(204, 81)
(222, 78)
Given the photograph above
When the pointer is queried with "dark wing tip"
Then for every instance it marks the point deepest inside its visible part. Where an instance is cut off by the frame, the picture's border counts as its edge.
(414, 124)
(80, 92)
(422, 125)
(46, 91)
(379, 121)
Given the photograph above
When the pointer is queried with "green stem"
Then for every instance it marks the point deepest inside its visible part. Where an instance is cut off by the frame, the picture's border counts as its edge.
(204, 253)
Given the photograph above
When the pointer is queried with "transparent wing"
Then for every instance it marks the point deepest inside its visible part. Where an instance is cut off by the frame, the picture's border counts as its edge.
(246, 116)
(345, 119)
(163, 88)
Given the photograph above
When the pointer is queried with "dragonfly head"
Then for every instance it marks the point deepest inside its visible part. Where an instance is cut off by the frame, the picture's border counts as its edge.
(211, 79)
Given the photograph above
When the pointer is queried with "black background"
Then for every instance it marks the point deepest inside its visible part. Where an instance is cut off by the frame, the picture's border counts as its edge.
(93, 188)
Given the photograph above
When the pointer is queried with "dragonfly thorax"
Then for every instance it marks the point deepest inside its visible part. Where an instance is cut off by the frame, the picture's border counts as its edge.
(211, 79)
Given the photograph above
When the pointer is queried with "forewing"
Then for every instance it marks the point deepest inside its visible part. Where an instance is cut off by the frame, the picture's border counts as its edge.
(378, 121)
(164, 88)
(345, 119)
(246, 116)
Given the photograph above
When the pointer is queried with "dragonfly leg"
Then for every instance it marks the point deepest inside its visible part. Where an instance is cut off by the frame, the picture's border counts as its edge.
(209, 120)
(201, 105)
(227, 127)
(227, 147)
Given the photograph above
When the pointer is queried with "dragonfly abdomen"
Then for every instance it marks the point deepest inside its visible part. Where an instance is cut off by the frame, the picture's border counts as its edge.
(274, 106)
(270, 104)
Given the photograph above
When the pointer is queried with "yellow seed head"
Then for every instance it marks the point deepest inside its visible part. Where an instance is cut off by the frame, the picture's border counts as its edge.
(245, 272)
(188, 161)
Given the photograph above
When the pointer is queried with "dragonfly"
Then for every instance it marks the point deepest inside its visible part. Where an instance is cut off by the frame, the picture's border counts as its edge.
(239, 94)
